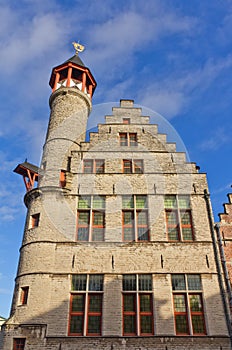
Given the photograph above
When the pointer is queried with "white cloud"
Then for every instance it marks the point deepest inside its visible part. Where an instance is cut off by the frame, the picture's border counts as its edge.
(217, 139)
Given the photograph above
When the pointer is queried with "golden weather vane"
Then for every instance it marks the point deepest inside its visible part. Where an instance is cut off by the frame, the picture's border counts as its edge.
(78, 47)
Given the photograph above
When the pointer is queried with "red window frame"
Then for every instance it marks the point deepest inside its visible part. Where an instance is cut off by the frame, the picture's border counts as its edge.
(181, 313)
(146, 313)
(130, 313)
(35, 220)
(127, 166)
(77, 313)
(24, 295)
(87, 166)
(138, 166)
(19, 343)
(62, 178)
(189, 226)
(134, 166)
(94, 313)
(126, 120)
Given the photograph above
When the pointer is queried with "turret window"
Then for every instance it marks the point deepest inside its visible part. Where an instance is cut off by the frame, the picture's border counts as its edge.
(91, 218)
(34, 220)
(86, 305)
(137, 305)
(93, 166)
(24, 295)
(178, 218)
(135, 218)
(128, 139)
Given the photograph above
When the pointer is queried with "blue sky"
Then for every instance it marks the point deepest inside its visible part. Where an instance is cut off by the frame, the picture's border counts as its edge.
(172, 56)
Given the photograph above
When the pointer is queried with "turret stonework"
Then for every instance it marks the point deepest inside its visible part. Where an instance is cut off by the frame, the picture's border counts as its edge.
(119, 249)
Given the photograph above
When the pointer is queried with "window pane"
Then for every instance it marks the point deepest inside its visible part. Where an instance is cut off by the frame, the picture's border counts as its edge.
(143, 234)
(84, 202)
(172, 218)
(128, 202)
(194, 282)
(142, 218)
(98, 202)
(94, 324)
(133, 139)
(195, 302)
(83, 234)
(178, 282)
(198, 324)
(145, 302)
(145, 282)
(97, 234)
(187, 234)
(129, 302)
(78, 303)
(138, 166)
(129, 324)
(79, 282)
(179, 302)
(128, 218)
(185, 217)
(83, 218)
(128, 234)
(123, 139)
(95, 303)
(127, 166)
(141, 202)
(146, 324)
(184, 202)
(96, 282)
(76, 324)
(99, 166)
(98, 218)
(19, 343)
(129, 282)
(170, 202)
(88, 166)
(173, 234)
(181, 324)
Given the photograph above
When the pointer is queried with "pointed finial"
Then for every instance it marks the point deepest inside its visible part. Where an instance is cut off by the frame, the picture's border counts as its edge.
(78, 47)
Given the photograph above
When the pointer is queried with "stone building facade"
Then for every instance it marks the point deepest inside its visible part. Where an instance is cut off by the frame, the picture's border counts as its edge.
(119, 249)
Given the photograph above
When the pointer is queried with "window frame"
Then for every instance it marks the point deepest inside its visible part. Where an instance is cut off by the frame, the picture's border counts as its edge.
(34, 220)
(91, 225)
(19, 343)
(137, 293)
(128, 139)
(178, 211)
(134, 168)
(87, 294)
(187, 293)
(24, 295)
(134, 224)
(96, 166)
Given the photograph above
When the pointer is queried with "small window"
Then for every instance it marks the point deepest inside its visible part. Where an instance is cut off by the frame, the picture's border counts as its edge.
(19, 343)
(132, 166)
(128, 139)
(62, 178)
(126, 120)
(24, 295)
(35, 220)
(93, 166)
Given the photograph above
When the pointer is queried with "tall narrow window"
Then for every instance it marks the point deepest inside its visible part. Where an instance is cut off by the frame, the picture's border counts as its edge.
(34, 220)
(137, 305)
(24, 295)
(91, 218)
(135, 218)
(93, 166)
(178, 218)
(188, 304)
(86, 305)
(19, 343)
(128, 139)
(132, 166)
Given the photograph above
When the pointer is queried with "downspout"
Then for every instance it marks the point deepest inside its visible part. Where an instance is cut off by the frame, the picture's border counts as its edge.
(218, 264)
(223, 261)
